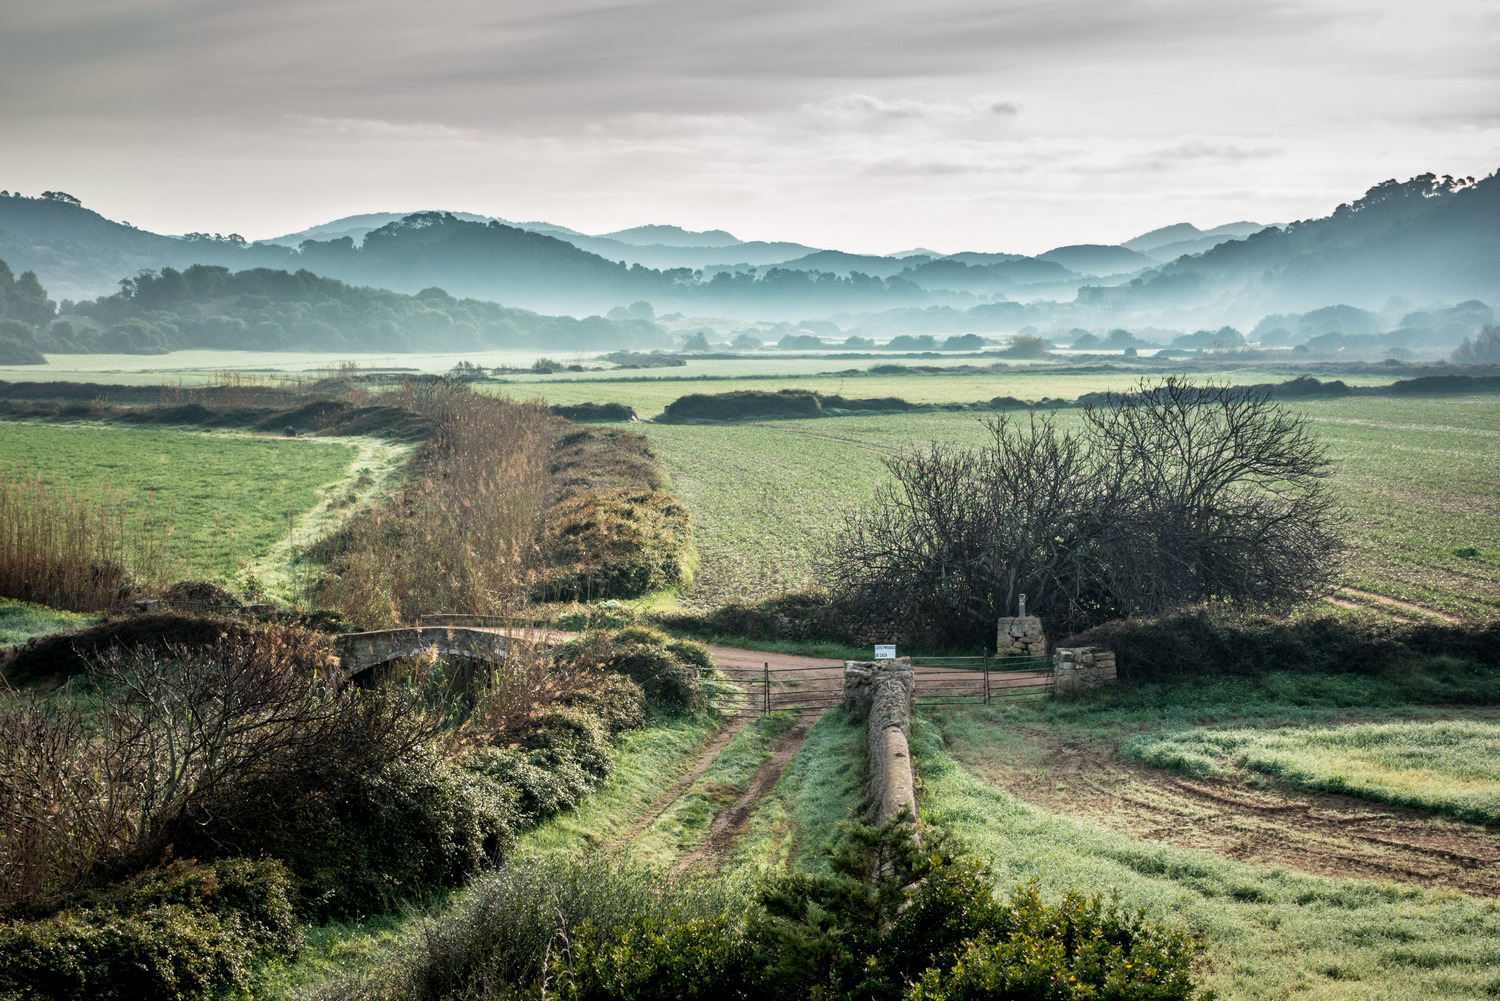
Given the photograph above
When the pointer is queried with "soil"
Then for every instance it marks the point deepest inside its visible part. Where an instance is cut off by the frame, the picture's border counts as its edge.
(1325, 834)
(730, 825)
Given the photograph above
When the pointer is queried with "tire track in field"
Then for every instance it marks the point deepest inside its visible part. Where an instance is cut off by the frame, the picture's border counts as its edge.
(706, 758)
(1393, 606)
(730, 825)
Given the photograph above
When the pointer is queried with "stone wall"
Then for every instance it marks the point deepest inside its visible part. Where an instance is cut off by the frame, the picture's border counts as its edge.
(887, 688)
(1077, 669)
(1020, 636)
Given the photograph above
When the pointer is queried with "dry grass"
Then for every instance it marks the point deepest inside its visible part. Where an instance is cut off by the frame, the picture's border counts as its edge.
(71, 550)
(462, 537)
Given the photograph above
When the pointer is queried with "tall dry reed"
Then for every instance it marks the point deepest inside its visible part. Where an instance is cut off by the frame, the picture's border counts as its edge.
(462, 536)
(72, 550)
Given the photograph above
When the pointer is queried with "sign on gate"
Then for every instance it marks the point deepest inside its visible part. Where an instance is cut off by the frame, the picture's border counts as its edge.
(885, 651)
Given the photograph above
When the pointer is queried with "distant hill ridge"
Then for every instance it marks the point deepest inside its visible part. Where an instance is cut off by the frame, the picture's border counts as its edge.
(1430, 240)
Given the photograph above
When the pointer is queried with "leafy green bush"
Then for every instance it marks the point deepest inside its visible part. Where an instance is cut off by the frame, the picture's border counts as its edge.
(891, 920)
(186, 930)
(1452, 661)
(666, 669)
(795, 615)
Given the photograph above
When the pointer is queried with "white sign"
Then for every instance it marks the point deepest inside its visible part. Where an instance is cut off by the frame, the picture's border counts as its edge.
(885, 651)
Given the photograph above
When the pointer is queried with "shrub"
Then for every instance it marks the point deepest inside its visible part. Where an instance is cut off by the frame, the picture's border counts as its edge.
(795, 615)
(186, 930)
(648, 658)
(743, 404)
(1170, 494)
(615, 544)
(595, 412)
(1215, 640)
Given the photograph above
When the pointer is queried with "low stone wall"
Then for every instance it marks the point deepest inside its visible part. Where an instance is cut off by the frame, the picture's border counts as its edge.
(1020, 636)
(887, 688)
(1078, 669)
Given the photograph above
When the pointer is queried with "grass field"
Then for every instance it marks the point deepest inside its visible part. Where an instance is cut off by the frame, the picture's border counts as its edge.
(1446, 767)
(20, 621)
(1268, 932)
(1418, 482)
(228, 499)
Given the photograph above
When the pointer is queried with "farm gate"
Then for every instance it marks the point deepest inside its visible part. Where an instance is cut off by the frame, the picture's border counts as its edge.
(940, 681)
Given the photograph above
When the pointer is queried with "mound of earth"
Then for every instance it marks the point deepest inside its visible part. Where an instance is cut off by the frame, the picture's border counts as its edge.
(66, 655)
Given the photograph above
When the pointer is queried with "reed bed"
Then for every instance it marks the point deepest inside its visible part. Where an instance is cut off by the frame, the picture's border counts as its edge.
(74, 550)
(462, 537)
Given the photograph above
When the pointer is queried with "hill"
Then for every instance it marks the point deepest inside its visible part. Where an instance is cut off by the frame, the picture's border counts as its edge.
(208, 306)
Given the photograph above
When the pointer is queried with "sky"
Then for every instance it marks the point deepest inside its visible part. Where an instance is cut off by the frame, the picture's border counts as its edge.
(872, 126)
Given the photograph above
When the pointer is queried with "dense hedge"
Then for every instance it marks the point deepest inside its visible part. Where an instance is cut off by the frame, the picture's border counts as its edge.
(891, 920)
(186, 930)
(1199, 641)
(616, 544)
(794, 615)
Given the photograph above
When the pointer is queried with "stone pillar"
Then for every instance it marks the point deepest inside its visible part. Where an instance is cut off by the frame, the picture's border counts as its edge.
(1020, 636)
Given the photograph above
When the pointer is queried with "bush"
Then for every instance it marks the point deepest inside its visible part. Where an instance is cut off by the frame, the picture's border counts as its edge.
(595, 412)
(615, 544)
(795, 615)
(666, 671)
(1213, 640)
(743, 404)
(184, 931)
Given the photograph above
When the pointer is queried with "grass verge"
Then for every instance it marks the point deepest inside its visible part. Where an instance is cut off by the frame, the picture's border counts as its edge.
(1268, 932)
(1450, 767)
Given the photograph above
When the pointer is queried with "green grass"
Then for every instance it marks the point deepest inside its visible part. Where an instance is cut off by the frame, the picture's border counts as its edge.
(228, 499)
(822, 786)
(1268, 932)
(20, 621)
(1445, 767)
(685, 824)
(1416, 479)
(646, 763)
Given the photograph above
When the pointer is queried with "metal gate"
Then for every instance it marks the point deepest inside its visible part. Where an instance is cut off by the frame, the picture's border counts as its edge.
(752, 691)
(941, 681)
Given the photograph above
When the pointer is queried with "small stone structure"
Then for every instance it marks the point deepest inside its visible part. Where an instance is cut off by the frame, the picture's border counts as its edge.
(887, 688)
(1077, 669)
(1020, 636)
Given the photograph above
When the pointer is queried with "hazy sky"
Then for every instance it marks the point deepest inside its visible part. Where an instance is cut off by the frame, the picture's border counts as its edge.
(874, 125)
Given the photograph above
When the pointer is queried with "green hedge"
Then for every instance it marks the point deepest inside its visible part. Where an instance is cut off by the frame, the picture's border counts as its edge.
(183, 931)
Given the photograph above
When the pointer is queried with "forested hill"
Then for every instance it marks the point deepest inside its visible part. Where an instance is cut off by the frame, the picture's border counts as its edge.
(78, 253)
(208, 306)
(1429, 239)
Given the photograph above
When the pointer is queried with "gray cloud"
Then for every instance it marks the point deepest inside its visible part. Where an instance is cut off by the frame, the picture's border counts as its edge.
(959, 118)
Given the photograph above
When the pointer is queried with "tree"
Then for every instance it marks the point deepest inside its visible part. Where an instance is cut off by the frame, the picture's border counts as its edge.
(1170, 494)
(1482, 349)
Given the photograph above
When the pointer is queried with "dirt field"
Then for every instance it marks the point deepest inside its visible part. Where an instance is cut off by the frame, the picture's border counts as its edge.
(1324, 834)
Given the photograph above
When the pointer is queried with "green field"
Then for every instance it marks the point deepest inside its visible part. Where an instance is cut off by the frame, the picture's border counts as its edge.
(1418, 481)
(1448, 767)
(1268, 932)
(228, 499)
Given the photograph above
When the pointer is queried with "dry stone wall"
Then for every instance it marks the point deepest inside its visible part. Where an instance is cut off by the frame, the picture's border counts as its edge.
(887, 688)
(1078, 669)
(1020, 636)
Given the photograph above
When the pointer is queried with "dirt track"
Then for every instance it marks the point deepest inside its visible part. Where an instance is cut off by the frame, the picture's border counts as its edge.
(1319, 833)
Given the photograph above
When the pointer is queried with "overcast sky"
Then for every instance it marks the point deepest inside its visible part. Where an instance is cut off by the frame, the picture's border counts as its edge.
(875, 126)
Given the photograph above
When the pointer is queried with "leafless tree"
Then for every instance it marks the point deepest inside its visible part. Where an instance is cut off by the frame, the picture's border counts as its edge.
(1169, 494)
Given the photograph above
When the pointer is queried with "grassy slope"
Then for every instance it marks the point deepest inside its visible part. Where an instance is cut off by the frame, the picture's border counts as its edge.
(1269, 933)
(228, 498)
(1417, 478)
(1446, 767)
(20, 621)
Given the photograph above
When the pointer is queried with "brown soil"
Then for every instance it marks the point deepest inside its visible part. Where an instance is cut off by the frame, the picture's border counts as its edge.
(730, 825)
(1325, 834)
(706, 757)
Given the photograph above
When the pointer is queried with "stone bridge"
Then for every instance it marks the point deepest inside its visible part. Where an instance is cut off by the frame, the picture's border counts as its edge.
(358, 652)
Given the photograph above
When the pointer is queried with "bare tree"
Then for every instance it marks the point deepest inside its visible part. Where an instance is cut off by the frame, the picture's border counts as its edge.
(1169, 494)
